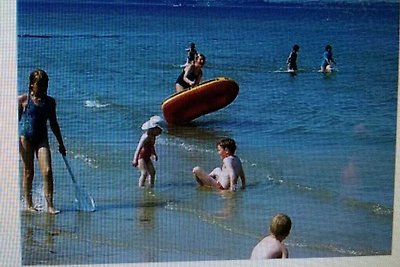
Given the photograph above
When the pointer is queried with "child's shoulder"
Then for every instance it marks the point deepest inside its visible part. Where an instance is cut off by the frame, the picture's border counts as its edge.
(233, 159)
(144, 136)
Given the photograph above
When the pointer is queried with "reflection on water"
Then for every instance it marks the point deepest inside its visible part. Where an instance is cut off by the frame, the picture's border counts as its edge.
(39, 234)
(146, 221)
(146, 210)
(229, 202)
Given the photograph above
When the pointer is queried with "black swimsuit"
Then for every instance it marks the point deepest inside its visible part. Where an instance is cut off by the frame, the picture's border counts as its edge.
(191, 76)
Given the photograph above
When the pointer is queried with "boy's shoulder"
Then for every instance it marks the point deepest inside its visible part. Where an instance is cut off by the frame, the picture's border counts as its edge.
(232, 160)
(268, 248)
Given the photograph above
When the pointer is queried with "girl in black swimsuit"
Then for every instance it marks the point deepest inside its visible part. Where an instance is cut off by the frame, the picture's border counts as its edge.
(191, 74)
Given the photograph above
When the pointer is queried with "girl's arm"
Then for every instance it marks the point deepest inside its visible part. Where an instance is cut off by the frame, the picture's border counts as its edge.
(289, 58)
(22, 102)
(141, 143)
(154, 153)
(198, 79)
(154, 149)
(55, 127)
(243, 179)
(185, 78)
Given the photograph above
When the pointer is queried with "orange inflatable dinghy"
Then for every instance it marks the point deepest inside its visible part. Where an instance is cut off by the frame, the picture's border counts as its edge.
(207, 97)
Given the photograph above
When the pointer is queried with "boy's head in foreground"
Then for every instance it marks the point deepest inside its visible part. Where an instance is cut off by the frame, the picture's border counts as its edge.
(280, 226)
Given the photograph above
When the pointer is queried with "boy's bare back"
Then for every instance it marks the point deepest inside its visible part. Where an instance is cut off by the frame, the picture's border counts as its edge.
(232, 166)
(272, 246)
(269, 248)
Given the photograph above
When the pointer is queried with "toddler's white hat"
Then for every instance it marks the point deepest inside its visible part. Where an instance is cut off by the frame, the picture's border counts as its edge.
(152, 123)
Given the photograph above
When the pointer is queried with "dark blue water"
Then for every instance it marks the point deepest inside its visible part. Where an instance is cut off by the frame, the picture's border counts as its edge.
(320, 148)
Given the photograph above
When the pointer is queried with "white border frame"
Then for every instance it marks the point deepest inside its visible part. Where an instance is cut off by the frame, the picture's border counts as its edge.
(10, 245)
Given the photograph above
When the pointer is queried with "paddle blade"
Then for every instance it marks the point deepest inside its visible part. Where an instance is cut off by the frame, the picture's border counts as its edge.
(84, 201)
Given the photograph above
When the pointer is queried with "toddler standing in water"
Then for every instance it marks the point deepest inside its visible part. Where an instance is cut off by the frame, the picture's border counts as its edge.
(145, 150)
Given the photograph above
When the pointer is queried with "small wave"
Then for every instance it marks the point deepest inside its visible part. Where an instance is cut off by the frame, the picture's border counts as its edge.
(301, 129)
(375, 208)
(345, 251)
(210, 218)
(42, 36)
(90, 162)
(95, 104)
(175, 141)
(37, 198)
(328, 195)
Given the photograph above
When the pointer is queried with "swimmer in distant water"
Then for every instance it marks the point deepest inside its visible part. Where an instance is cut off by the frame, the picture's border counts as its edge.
(292, 59)
(191, 74)
(326, 65)
(226, 177)
(272, 246)
(142, 159)
(35, 109)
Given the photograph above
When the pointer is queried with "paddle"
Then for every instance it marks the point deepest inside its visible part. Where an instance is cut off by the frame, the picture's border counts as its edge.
(84, 201)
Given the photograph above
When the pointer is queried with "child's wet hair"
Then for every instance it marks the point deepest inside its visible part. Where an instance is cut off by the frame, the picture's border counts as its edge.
(38, 79)
(202, 56)
(280, 225)
(228, 143)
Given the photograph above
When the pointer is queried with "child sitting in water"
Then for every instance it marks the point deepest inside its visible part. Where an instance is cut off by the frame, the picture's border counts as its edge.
(145, 150)
(272, 246)
(227, 176)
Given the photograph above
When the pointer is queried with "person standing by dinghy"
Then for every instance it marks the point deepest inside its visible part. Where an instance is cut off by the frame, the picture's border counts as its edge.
(191, 74)
(34, 110)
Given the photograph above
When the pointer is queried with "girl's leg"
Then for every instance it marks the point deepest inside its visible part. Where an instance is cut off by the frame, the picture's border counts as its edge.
(27, 156)
(44, 159)
(143, 172)
(152, 173)
(179, 87)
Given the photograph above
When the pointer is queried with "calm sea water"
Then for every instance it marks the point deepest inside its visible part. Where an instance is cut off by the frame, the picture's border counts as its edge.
(320, 148)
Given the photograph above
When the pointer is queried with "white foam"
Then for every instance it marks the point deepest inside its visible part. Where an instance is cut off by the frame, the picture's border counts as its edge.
(95, 104)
